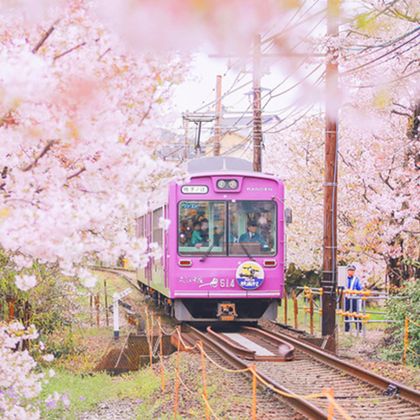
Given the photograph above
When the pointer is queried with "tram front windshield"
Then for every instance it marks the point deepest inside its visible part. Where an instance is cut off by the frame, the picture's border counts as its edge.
(227, 228)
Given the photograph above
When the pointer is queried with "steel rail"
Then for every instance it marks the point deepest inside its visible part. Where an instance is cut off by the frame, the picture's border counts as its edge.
(302, 406)
(374, 379)
(262, 334)
(234, 348)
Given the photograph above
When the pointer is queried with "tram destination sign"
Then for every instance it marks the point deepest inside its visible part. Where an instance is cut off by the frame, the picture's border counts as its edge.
(194, 189)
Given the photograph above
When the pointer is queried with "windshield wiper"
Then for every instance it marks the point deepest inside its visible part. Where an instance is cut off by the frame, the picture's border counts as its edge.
(246, 251)
(203, 258)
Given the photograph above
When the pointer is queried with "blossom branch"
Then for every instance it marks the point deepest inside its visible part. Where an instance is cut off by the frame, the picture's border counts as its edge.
(144, 116)
(44, 151)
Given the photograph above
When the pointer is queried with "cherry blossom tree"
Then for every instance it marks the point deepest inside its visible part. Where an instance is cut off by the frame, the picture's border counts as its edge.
(378, 151)
(76, 109)
(381, 161)
(81, 86)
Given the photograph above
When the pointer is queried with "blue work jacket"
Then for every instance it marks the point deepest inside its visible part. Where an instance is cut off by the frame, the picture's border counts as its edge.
(354, 283)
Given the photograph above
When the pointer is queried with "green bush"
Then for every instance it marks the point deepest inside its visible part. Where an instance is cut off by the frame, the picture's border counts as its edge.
(51, 305)
(405, 303)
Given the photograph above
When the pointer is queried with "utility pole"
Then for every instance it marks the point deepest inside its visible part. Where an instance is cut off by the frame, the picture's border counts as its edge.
(186, 139)
(329, 276)
(197, 118)
(256, 84)
(218, 121)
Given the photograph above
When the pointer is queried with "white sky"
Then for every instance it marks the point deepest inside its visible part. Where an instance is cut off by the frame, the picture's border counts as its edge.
(199, 88)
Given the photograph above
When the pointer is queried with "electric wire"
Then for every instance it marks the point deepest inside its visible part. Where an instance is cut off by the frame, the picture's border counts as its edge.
(275, 36)
(383, 45)
(270, 93)
(373, 85)
(380, 57)
(271, 38)
(293, 123)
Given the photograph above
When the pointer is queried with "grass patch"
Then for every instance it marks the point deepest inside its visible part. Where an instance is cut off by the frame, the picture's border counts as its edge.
(85, 391)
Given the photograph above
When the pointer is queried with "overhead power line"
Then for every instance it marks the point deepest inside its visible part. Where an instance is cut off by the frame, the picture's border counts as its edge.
(381, 56)
(372, 47)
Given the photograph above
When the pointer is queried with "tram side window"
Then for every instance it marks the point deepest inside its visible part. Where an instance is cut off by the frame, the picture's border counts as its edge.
(252, 228)
(157, 231)
(201, 227)
(140, 227)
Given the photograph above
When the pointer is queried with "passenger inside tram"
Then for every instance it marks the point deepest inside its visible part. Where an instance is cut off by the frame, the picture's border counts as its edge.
(251, 235)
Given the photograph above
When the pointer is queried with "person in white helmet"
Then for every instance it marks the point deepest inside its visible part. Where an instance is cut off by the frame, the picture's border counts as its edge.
(352, 302)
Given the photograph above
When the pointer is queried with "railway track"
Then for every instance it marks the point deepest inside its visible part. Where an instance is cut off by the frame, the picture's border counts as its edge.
(362, 394)
(191, 335)
(297, 368)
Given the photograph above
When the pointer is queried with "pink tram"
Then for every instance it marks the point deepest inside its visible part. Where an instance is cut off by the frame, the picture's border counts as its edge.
(223, 253)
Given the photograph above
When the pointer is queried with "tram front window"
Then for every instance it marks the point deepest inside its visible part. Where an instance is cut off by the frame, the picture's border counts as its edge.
(252, 228)
(201, 228)
(248, 227)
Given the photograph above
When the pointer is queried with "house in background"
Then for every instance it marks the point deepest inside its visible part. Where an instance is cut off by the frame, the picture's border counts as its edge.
(237, 134)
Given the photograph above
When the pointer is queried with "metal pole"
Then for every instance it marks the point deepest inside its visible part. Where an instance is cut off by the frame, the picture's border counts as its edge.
(106, 304)
(406, 340)
(116, 316)
(257, 125)
(97, 308)
(218, 120)
(285, 306)
(321, 292)
(91, 309)
(364, 323)
(186, 140)
(198, 144)
(329, 278)
(311, 313)
(295, 309)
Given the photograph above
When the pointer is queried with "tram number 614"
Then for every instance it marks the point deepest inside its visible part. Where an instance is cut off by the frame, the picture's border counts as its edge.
(227, 283)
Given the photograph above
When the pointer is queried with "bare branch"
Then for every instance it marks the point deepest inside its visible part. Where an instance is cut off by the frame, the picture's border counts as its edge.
(400, 113)
(44, 37)
(76, 47)
(344, 161)
(104, 53)
(386, 182)
(145, 115)
(404, 16)
(81, 170)
(44, 151)
(401, 106)
(410, 63)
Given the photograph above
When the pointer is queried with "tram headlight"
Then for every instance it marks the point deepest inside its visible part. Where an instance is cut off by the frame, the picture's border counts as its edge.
(221, 183)
(233, 184)
(227, 184)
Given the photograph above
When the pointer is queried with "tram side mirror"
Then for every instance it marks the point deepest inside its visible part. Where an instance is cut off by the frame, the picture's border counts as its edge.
(288, 215)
